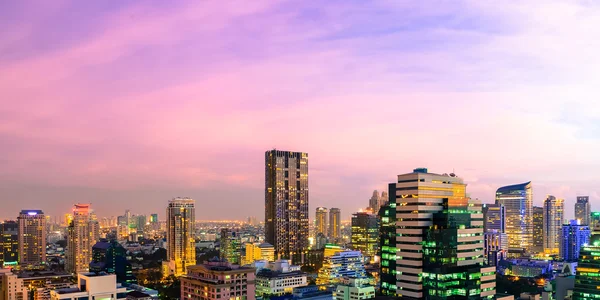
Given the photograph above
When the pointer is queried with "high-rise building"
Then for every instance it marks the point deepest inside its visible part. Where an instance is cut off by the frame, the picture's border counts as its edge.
(111, 257)
(387, 245)
(181, 236)
(573, 237)
(538, 230)
(553, 220)
(231, 246)
(321, 221)
(583, 210)
(83, 233)
(518, 205)
(32, 237)
(382, 200)
(496, 247)
(11, 286)
(218, 281)
(286, 203)
(375, 202)
(342, 264)
(493, 218)
(335, 229)
(587, 280)
(365, 234)
(9, 244)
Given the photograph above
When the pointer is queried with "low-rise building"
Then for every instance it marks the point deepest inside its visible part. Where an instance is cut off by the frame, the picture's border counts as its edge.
(279, 278)
(11, 287)
(92, 286)
(218, 280)
(354, 289)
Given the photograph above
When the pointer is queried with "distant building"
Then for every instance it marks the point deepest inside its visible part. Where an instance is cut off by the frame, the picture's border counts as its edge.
(375, 202)
(494, 218)
(583, 210)
(83, 233)
(553, 220)
(342, 264)
(321, 221)
(111, 257)
(181, 237)
(32, 237)
(573, 237)
(320, 241)
(587, 280)
(12, 287)
(311, 292)
(365, 234)
(9, 243)
(387, 246)
(335, 228)
(518, 205)
(231, 247)
(218, 280)
(538, 230)
(278, 279)
(495, 247)
(92, 286)
(529, 268)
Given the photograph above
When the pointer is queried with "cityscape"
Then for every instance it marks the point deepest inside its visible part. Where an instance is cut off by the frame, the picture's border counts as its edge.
(299, 150)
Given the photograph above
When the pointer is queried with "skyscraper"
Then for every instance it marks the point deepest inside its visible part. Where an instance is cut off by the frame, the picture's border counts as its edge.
(429, 236)
(9, 244)
(365, 233)
(32, 237)
(583, 210)
(518, 204)
(83, 233)
(375, 202)
(387, 245)
(321, 221)
(587, 280)
(493, 218)
(286, 203)
(231, 246)
(111, 257)
(553, 220)
(181, 236)
(334, 224)
(573, 237)
(538, 230)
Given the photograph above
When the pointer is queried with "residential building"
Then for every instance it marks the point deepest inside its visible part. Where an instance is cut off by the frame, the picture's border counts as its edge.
(181, 237)
(321, 221)
(218, 280)
(92, 286)
(286, 203)
(583, 210)
(494, 218)
(538, 230)
(32, 237)
(365, 234)
(573, 237)
(111, 257)
(278, 279)
(342, 264)
(587, 280)
(354, 289)
(82, 234)
(40, 283)
(335, 227)
(495, 247)
(553, 220)
(231, 246)
(9, 244)
(387, 245)
(518, 206)
(12, 287)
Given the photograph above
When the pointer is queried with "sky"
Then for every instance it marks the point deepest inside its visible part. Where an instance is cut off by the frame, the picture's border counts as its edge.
(127, 104)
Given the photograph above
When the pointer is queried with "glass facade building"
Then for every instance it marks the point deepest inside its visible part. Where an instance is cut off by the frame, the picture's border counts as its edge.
(538, 230)
(32, 237)
(518, 203)
(493, 218)
(365, 234)
(387, 245)
(9, 244)
(573, 237)
(231, 246)
(583, 210)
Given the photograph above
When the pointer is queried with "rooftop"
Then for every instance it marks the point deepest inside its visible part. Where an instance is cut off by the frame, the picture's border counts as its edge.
(514, 187)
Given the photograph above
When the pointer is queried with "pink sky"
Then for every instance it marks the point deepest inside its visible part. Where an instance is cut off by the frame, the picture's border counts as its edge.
(129, 104)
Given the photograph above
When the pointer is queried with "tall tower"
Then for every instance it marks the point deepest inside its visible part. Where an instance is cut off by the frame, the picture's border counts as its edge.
(518, 204)
(374, 202)
(321, 221)
(231, 245)
(32, 237)
(82, 236)
(286, 203)
(9, 244)
(538, 230)
(587, 279)
(553, 220)
(365, 234)
(181, 238)
(583, 210)
(335, 224)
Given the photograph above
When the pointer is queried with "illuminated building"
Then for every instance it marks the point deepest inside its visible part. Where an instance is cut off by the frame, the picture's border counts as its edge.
(181, 236)
(321, 221)
(218, 280)
(111, 257)
(32, 237)
(231, 246)
(331, 250)
(387, 245)
(573, 237)
(594, 221)
(286, 203)
(493, 218)
(587, 279)
(9, 244)
(518, 205)
(254, 252)
(11, 287)
(342, 264)
(538, 230)
(279, 278)
(335, 224)
(583, 210)
(553, 220)
(495, 247)
(354, 289)
(83, 233)
(365, 234)
(92, 286)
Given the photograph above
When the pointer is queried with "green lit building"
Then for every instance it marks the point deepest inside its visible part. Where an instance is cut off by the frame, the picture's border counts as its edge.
(231, 246)
(587, 279)
(111, 257)
(365, 234)
(387, 245)
(594, 220)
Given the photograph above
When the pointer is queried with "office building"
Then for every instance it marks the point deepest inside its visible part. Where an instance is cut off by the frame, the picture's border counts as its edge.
(387, 245)
(573, 237)
(538, 230)
(231, 246)
(286, 203)
(32, 237)
(495, 247)
(365, 234)
(553, 220)
(335, 229)
(343, 264)
(587, 280)
(218, 280)
(375, 202)
(354, 289)
(256, 251)
(181, 236)
(92, 286)
(279, 279)
(82, 234)
(493, 218)
(321, 221)
(9, 244)
(518, 208)
(583, 210)
(111, 257)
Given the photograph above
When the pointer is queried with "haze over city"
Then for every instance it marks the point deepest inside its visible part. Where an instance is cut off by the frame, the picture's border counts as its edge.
(129, 104)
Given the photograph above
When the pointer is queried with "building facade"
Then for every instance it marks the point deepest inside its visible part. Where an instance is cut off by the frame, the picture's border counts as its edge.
(111, 257)
(286, 203)
(83, 233)
(278, 281)
(335, 227)
(587, 280)
(375, 202)
(495, 247)
(256, 251)
(387, 245)
(538, 230)
(11, 286)
(494, 217)
(553, 221)
(92, 286)
(181, 236)
(365, 234)
(231, 246)
(518, 205)
(343, 264)
(32, 237)
(9, 244)
(321, 221)
(573, 237)
(218, 281)
(583, 210)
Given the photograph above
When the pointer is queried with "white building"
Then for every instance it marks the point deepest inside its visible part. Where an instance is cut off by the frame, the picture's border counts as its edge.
(278, 278)
(92, 286)
(354, 289)
(11, 287)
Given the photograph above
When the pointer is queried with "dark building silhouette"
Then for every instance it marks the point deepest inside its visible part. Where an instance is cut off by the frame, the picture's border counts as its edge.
(110, 257)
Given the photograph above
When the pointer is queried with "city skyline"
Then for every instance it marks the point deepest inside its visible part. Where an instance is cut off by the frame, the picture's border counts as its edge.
(141, 103)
